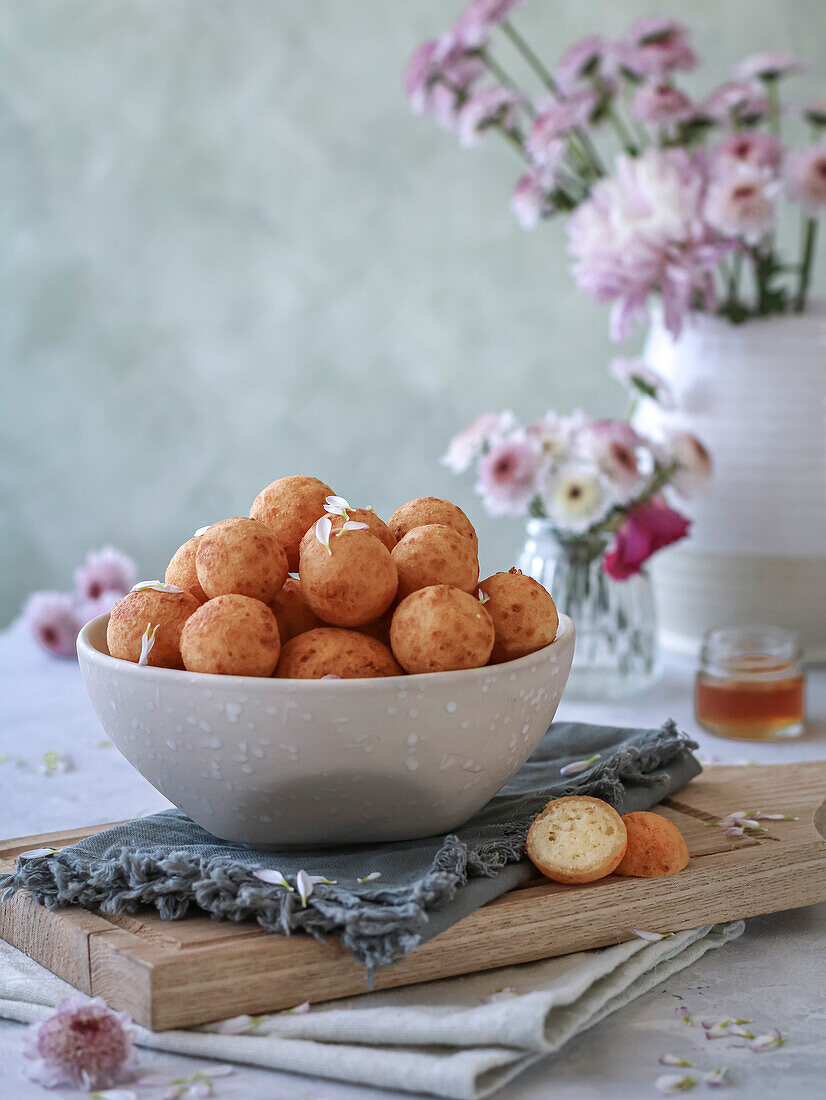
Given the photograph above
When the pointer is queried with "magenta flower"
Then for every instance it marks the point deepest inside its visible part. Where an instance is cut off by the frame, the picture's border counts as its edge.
(655, 46)
(105, 570)
(83, 1044)
(737, 101)
(806, 175)
(53, 621)
(588, 58)
(646, 529)
(531, 198)
(744, 203)
(769, 66)
(658, 104)
(751, 147)
(479, 18)
(506, 477)
(642, 230)
(491, 106)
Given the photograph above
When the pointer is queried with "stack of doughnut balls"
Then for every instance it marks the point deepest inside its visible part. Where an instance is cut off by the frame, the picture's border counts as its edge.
(310, 588)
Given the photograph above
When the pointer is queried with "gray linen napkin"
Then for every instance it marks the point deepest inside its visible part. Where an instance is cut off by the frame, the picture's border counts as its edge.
(168, 861)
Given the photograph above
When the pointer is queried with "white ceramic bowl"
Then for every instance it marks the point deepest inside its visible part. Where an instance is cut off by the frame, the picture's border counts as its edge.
(274, 763)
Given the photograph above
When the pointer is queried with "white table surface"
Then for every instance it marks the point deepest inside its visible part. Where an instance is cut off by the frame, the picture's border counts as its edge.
(775, 974)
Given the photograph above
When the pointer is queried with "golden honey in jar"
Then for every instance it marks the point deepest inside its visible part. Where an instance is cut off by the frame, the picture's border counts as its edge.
(750, 685)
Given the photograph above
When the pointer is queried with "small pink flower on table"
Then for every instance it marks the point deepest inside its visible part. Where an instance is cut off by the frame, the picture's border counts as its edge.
(83, 1044)
(105, 570)
(53, 621)
(646, 529)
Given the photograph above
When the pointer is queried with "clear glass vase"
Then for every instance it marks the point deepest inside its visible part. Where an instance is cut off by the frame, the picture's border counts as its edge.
(616, 627)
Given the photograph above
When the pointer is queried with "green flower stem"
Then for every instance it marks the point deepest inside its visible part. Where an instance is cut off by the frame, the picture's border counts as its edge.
(773, 93)
(625, 137)
(809, 238)
(537, 65)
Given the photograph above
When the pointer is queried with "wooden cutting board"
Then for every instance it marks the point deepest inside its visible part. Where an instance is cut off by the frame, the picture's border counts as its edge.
(180, 973)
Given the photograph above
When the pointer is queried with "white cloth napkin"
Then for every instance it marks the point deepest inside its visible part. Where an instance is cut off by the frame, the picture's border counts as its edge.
(439, 1038)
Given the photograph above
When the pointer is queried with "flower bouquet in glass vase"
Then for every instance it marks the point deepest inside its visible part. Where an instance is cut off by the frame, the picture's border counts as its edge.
(687, 203)
(593, 493)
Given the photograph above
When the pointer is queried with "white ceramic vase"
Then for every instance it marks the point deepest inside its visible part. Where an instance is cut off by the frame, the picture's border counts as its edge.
(755, 394)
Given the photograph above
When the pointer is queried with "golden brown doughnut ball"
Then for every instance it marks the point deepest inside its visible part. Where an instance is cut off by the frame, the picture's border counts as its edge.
(576, 839)
(655, 846)
(182, 572)
(435, 554)
(439, 629)
(291, 611)
(231, 636)
(240, 557)
(329, 651)
(524, 615)
(352, 582)
(148, 607)
(289, 507)
(375, 525)
(424, 510)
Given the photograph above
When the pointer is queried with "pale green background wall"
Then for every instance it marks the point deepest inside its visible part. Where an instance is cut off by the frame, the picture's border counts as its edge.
(228, 253)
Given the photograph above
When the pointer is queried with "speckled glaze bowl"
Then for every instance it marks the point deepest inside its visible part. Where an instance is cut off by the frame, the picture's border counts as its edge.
(273, 763)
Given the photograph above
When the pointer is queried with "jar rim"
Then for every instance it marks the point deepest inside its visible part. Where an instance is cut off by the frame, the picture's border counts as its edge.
(752, 649)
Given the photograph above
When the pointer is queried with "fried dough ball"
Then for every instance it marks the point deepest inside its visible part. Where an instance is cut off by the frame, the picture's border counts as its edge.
(524, 615)
(240, 557)
(182, 572)
(232, 636)
(291, 611)
(440, 628)
(289, 507)
(425, 510)
(576, 839)
(330, 651)
(351, 582)
(655, 846)
(150, 607)
(375, 525)
(435, 554)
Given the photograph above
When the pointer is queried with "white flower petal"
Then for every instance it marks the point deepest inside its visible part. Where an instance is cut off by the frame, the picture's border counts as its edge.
(36, 853)
(674, 1060)
(202, 531)
(770, 1041)
(717, 1078)
(323, 530)
(147, 643)
(577, 766)
(304, 885)
(371, 877)
(155, 586)
(274, 878)
(650, 937)
(336, 502)
(299, 1010)
(353, 525)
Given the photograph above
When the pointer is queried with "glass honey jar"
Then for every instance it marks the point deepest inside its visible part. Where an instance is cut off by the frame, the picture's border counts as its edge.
(750, 685)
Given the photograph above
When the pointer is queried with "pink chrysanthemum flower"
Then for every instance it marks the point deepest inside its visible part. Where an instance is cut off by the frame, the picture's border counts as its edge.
(590, 57)
(694, 461)
(806, 176)
(660, 103)
(737, 101)
(655, 46)
(438, 76)
(83, 1044)
(612, 445)
(531, 198)
(642, 230)
(488, 107)
(479, 18)
(507, 475)
(105, 570)
(468, 445)
(770, 66)
(748, 147)
(53, 622)
(743, 203)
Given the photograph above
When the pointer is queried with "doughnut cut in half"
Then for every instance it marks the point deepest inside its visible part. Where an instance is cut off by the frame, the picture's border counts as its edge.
(576, 839)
